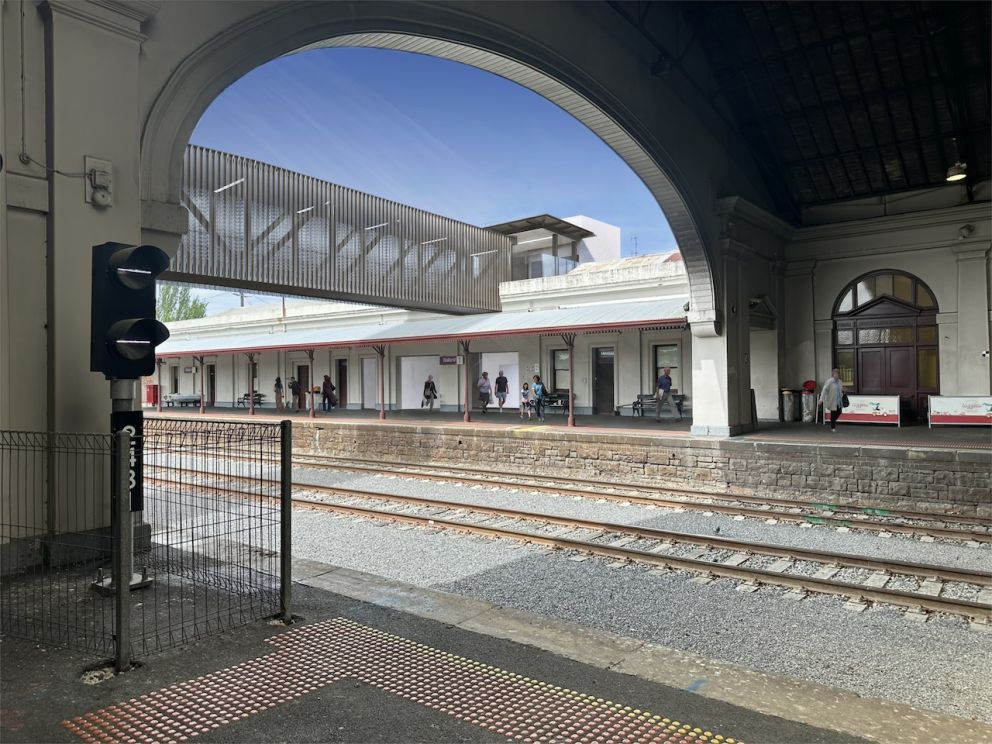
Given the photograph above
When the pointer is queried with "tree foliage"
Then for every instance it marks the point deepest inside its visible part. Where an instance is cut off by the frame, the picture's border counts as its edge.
(176, 302)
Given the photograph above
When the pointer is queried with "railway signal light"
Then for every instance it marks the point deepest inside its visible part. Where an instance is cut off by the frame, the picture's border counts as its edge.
(123, 329)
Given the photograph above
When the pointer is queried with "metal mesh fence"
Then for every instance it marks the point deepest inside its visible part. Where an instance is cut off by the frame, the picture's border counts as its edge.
(206, 547)
(212, 506)
(55, 536)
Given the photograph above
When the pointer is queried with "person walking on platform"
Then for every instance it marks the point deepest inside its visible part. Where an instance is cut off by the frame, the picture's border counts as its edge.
(663, 394)
(327, 398)
(525, 402)
(832, 398)
(502, 388)
(277, 389)
(430, 394)
(485, 390)
(538, 397)
(294, 390)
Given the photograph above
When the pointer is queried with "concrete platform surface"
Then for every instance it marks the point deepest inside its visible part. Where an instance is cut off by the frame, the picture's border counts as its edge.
(940, 437)
(371, 660)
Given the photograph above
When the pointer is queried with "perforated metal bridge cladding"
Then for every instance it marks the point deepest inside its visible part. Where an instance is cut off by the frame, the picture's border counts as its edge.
(266, 229)
(313, 656)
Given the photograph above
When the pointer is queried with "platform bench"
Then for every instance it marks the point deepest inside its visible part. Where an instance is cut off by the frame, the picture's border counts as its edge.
(649, 402)
(182, 399)
(243, 400)
(558, 401)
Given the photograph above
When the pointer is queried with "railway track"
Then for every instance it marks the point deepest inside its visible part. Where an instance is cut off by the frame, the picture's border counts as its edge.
(916, 524)
(916, 586)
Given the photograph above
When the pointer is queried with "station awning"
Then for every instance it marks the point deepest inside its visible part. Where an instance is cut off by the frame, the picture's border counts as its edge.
(542, 222)
(662, 314)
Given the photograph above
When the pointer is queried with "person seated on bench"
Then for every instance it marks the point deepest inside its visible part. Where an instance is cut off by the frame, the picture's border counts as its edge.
(664, 395)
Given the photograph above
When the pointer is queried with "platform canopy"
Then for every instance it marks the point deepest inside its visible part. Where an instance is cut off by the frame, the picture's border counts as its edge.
(669, 314)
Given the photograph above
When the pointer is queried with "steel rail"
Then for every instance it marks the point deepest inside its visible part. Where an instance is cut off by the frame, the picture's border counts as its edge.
(489, 480)
(528, 482)
(752, 575)
(945, 573)
(968, 608)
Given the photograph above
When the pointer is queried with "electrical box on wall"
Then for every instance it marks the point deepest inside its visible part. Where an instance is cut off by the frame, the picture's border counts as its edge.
(99, 181)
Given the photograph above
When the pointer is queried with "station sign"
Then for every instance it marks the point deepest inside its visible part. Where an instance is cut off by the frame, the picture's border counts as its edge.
(871, 409)
(133, 422)
(452, 359)
(967, 410)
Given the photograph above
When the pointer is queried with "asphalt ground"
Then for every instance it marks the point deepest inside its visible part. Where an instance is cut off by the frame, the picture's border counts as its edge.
(42, 688)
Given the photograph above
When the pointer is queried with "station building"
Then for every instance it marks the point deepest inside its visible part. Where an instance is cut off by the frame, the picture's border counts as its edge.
(898, 302)
(627, 318)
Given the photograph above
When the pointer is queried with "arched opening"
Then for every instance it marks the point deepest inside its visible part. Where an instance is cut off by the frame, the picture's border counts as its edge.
(886, 340)
(681, 193)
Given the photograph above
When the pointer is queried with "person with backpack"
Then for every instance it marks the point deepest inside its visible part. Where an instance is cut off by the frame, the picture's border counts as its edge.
(294, 390)
(328, 399)
(538, 394)
(832, 398)
(430, 394)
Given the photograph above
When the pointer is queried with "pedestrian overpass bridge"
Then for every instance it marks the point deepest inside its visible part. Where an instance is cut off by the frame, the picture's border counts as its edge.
(264, 229)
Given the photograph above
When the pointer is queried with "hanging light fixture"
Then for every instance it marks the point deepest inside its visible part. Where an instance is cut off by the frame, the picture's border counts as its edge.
(958, 171)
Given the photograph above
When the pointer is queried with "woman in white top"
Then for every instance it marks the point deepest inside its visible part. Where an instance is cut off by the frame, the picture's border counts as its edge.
(832, 397)
(525, 401)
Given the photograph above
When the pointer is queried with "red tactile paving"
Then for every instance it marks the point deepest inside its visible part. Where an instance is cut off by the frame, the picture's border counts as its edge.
(313, 656)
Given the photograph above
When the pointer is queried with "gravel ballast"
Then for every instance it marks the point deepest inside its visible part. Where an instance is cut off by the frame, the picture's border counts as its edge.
(789, 534)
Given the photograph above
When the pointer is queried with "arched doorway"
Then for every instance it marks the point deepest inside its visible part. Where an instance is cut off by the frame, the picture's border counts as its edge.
(886, 340)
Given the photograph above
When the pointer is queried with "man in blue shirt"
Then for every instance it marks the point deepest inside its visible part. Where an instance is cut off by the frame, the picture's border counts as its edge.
(664, 394)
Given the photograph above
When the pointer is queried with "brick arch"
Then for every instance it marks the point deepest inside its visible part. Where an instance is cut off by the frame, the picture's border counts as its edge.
(677, 179)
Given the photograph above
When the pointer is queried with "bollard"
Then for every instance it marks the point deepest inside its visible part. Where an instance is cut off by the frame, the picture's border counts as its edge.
(122, 529)
(286, 521)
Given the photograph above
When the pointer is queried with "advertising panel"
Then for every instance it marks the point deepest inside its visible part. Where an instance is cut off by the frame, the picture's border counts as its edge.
(871, 409)
(968, 410)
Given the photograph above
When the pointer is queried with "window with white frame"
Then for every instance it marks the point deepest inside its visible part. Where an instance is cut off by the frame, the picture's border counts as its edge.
(559, 370)
(667, 355)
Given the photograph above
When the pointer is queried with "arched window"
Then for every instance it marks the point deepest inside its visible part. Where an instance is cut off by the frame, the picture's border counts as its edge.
(897, 285)
(885, 337)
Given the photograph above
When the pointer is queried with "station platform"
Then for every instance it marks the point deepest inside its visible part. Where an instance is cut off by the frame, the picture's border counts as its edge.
(373, 660)
(916, 435)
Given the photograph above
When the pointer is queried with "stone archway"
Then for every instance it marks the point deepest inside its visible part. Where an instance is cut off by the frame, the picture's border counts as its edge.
(507, 42)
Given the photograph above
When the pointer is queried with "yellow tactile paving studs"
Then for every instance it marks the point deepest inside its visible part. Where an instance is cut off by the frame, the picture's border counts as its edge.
(313, 656)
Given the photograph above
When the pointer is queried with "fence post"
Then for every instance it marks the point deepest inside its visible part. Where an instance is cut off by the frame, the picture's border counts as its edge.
(286, 520)
(122, 529)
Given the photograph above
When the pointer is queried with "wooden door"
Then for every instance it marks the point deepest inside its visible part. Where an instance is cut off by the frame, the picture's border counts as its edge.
(900, 371)
(342, 391)
(871, 371)
(211, 384)
(604, 401)
(303, 377)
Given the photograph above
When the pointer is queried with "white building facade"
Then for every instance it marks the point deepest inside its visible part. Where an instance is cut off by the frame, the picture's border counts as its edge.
(611, 367)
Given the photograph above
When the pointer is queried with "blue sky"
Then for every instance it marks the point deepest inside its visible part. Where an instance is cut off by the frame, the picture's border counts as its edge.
(431, 133)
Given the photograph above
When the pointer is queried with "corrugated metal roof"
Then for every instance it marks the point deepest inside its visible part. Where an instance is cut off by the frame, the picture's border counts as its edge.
(586, 318)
